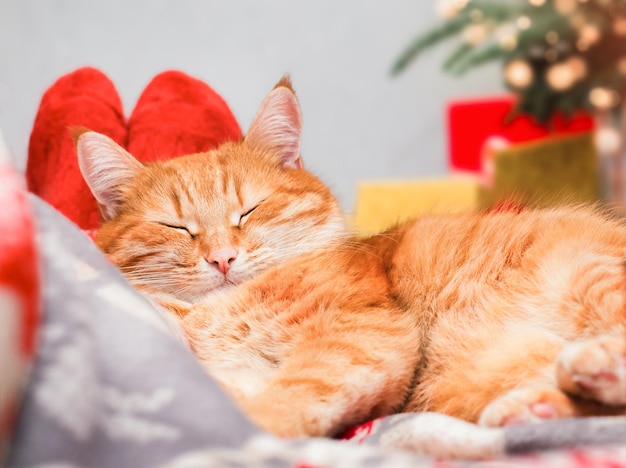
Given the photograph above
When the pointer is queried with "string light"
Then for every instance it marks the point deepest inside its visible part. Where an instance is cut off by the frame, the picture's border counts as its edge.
(518, 73)
(552, 37)
(448, 9)
(608, 140)
(561, 76)
(507, 36)
(523, 22)
(508, 42)
(578, 66)
(619, 26)
(590, 34)
(474, 34)
(565, 7)
(604, 98)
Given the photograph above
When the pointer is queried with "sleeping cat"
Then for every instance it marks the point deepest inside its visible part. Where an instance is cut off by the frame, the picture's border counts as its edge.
(495, 318)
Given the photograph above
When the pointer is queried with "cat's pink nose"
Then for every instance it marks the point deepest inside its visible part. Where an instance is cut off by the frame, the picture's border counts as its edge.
(222, 259)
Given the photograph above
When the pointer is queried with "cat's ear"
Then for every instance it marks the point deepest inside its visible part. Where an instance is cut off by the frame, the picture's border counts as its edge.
(277, 125)
(106, 167)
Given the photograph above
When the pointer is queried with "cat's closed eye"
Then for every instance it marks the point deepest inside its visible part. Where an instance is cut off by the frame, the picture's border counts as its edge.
(182, 229)
(244, 216)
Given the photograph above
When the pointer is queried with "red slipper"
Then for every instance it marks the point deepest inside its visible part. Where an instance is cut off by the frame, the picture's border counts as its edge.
(177, 115)
(87, 98)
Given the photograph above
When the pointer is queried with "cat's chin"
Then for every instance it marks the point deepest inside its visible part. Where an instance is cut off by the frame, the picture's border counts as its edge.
(225, 288)
(209, 287)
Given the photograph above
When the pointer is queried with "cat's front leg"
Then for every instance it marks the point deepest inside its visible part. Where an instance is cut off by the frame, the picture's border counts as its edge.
(595, 368)
(332, 386)
(309, 406)
(281, 412)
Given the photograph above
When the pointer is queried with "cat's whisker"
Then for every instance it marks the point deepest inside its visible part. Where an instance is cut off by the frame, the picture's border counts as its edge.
(385, 235)
(182, 286)
(153, 278)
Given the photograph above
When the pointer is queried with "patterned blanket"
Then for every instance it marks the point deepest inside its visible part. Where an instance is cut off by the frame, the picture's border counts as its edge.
(92, 375)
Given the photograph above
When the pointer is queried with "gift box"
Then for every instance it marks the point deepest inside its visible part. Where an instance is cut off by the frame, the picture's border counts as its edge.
(382, 204)
(473, 123)
(548, 172)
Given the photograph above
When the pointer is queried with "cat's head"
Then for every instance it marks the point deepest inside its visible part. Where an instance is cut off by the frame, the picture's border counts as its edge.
(190, 225)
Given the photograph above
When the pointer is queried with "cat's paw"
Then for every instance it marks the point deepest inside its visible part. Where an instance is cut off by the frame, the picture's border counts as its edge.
(528, 404)
(286, 415)
(595, 369)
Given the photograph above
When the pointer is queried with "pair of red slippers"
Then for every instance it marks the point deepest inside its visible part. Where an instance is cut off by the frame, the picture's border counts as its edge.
(175, 115)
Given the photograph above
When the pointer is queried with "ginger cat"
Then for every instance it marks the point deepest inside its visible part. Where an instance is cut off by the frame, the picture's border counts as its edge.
(495, 318)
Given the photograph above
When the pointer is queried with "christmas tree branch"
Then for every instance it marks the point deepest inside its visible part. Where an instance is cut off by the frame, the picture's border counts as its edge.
(433, 37)
(491, 14)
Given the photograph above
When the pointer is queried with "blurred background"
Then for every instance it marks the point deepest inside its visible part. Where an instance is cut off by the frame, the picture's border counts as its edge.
(359, 122)
(502, 103)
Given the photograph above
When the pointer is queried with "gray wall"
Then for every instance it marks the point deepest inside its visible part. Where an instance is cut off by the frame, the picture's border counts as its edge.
(359, 123)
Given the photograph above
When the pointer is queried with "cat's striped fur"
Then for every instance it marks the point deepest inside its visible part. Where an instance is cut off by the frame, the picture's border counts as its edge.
(488, 317)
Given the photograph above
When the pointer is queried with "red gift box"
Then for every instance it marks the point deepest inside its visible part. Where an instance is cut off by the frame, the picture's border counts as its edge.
(473, 123)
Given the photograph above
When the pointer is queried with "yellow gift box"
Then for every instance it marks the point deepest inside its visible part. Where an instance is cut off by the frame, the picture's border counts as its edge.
(382, 204)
